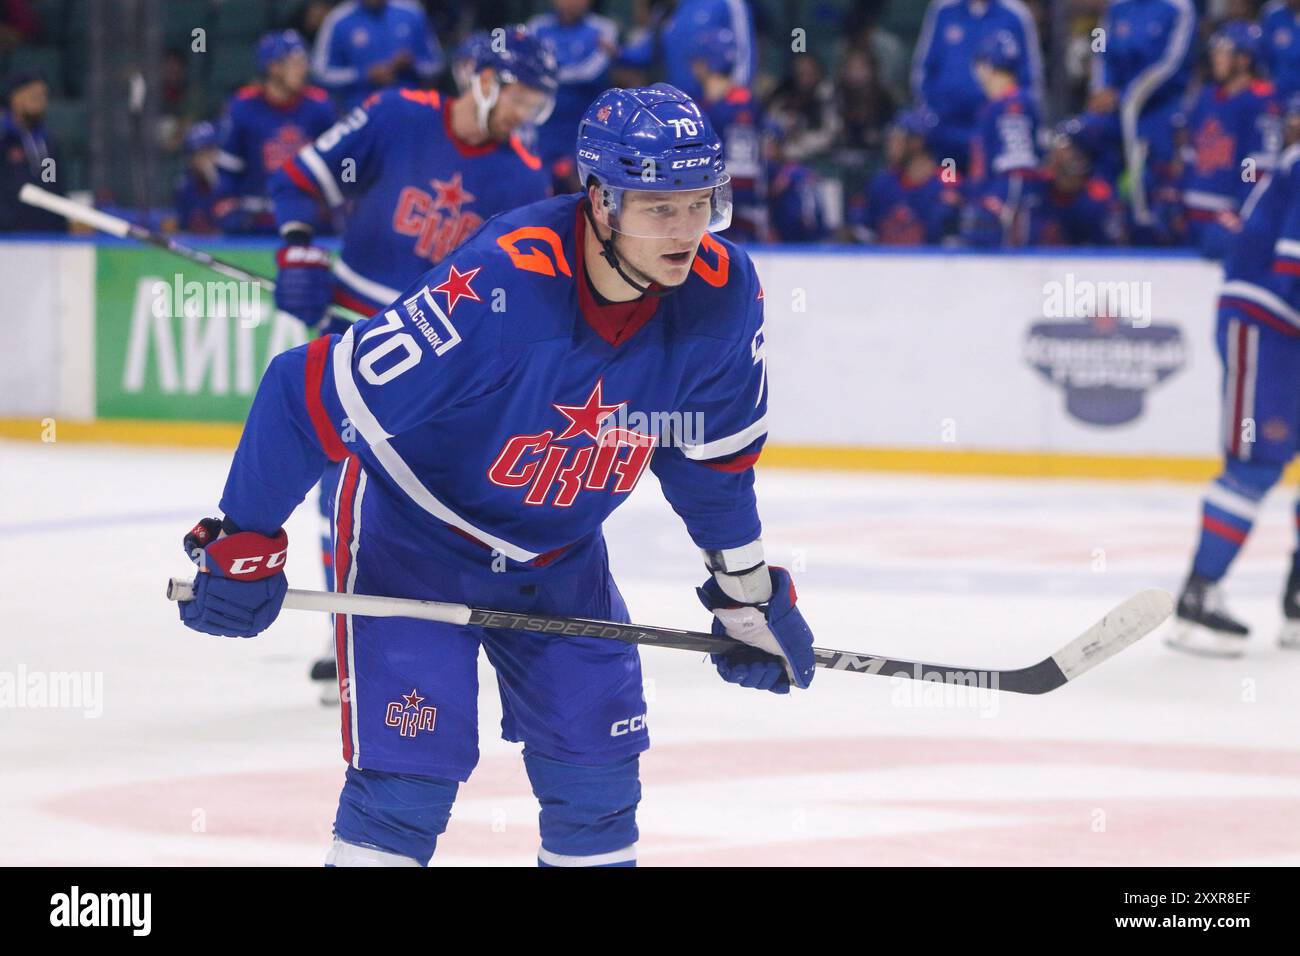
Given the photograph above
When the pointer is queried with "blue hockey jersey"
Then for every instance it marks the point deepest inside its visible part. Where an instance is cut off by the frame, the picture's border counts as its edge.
(738, 119)
(898, 211)
(496, 405)
(416, 191)
(1262, 267)
(257, 138)
(1281, 27)
(1223, 131)
(583, 52)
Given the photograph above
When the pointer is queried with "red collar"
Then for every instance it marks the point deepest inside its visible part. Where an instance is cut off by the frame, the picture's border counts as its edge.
(618, 321)
(462, 147)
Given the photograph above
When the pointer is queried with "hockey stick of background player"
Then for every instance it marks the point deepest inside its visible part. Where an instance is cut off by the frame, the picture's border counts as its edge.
(1124, 625)
(116, 226)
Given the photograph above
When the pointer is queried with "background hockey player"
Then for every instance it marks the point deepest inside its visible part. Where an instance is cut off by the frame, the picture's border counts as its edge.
(1233, 137)
(483, 449)
(943, 77)
(265, 125)
(418, 175)
(198, 190)
(1280, 22)
(1004, 149)
(1259, 344)
(737, 117)
(365, 46)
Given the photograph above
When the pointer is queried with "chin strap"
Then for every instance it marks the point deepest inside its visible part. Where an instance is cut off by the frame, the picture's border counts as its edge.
(483, 103)
(610, 255)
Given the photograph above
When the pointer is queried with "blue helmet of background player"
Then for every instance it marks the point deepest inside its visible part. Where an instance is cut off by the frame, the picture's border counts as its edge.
(1242, 35)
(279, 45)
(715, 49)
(200, 136)
(464, 59)
(653, 138)
(514, 55)
(1000, 50)
(917, 121)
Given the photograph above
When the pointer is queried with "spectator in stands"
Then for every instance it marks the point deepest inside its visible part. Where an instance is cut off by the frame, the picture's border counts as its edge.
(668, 37)
(1003, 150)
(585, 45)
(865, 106)
(369, 45)
(795, 209)
(913, 201)
(737, 118)
(198, 190)
(266, 124)
(309, 17)
(1139, 81)
(19, 24)
(27, 155)
(1234, 133)
(1071, 206)
(889, 54)
(1280, 22)
(943, 77)
(805, 106)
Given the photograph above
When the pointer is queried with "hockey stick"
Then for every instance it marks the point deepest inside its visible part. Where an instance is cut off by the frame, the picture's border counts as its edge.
(116, 226)
(1124, 625)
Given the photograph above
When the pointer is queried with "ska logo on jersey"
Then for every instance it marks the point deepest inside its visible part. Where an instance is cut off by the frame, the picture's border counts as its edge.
(435, 219)
(408, 716)
(593, 458)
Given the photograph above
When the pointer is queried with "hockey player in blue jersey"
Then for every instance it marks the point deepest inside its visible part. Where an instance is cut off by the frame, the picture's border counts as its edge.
(483, 448)
(1070, 206)
(1279, 22)
(943, 79)
(197, 192)
(1004, 149)
(418, 175)
(1258, 338)
(1234, 133)
(912, 201)
(265, 125)
(737, 116)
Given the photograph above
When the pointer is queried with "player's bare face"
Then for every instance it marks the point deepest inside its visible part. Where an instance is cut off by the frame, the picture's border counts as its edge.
(660, 232)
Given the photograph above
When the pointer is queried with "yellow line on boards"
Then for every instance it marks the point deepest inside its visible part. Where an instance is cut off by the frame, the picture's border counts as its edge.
(1020, 464)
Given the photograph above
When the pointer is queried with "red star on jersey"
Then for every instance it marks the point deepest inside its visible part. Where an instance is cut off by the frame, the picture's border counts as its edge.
(586, 418)
(451, 194)
(412, 699)
(456, 287)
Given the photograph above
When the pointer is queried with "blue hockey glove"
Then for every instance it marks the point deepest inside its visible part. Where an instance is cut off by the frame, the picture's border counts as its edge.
(304, 286)
(240, 585)
(778, 642)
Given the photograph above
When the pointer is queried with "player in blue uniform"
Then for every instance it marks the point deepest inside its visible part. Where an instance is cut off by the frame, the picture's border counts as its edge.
(265, 125)
(1258, 339)
(737, 116)
(1234, 133)
(1280, 22)
(908, 203)
(585, 45)
(943, 79)
(482, 451)
(365, 46)
(1004, 149)
(795, 209)
(1072, 207)
(197, 192)
(419, 175)
(1139, 81)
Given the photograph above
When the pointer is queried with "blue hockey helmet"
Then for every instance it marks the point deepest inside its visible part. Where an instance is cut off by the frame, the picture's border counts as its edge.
(200, 136)
(715, 48)
(1242, 35)
(276, 46)
(464, 59)
(917, 121)
(652, 139)
(515, 55)
(999, 49)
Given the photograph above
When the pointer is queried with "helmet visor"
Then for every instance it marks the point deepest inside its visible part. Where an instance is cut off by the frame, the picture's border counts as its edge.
(676, 214)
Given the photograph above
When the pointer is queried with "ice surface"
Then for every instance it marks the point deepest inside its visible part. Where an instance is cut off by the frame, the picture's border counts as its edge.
(212, 751)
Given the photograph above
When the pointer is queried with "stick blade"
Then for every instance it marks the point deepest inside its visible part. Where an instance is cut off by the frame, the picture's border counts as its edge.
(1125, 624)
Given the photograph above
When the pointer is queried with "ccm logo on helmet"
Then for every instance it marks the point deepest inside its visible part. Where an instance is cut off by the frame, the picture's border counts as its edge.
(621, 728)
(590, 154)
(688, 163)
